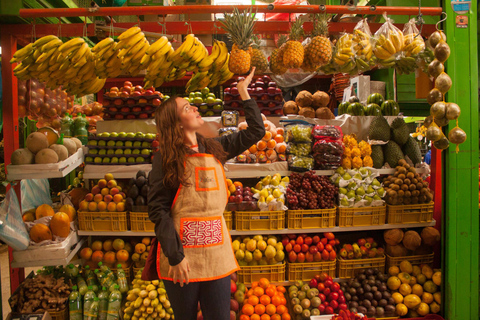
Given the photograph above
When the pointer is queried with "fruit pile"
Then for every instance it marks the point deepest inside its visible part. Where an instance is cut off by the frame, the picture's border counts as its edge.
(262, 89)
(129, 102)
(55, 228)
(106, 195)
(208, 105)
(309, 191)
(305, 300)
(406, 186)
(356, 155)
(368, 294)
(265, 301)
(43, 147)
(240, 198)
(330, 293)
(305, 248)
(137, 193)
(270, 192)
(328, 148)
(271, 148)
(110, 252)
(259, 250)
(142, 248)
(375, 106)
(358, 188)
(416, 289)
(362, 249)
(400, 243)
(348, 315)
(123, 148)
(147, 299)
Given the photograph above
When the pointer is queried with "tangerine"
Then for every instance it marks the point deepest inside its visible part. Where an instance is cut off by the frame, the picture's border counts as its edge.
(271, 144)
(249, 293)
(265, 317)
(238, 184)
(264, 283)
(280, 131)
(245, 317)
(267, 136)
(253, 149)
(281, 147)
(271, 291)
(281, 309)
(265, 300)
(281, 289)
(255, 317)
(277, 300)
(261, 145)
(97, 256)
(260, 309)
(271, 309)
(253, 300)
(248, 309)
(276, 317)
(285, 316)
(278, 138)
(284, 301)
(254, 284)
(258, 291)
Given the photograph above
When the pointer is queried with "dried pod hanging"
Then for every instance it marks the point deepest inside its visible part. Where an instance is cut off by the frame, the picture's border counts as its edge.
(434, 95)
(434, 133)
(435, 68)
(442, 144)
(443, 82)
(452, 111)
(457, 136)
(442, 51)
(436, 37)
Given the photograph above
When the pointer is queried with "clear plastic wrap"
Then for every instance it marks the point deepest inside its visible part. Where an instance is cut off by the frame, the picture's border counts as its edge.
(413, 46)
(300, 164)
(344, 57)
(12, 228)
(327, 132)
(227, 131)
(363, 47)
(298, 133)
(326, 146)
(388, 43)
(325, 161)
(230, 118)
(301, 149)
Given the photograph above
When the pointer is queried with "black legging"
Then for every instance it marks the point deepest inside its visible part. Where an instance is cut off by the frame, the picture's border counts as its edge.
(214, 297)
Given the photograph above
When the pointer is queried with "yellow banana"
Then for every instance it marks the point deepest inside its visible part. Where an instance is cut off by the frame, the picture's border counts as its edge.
(43, 66)
(105, 43)
(37, 53)
(80, 63)
(167, 48)
(141, 53)
(208, 61)
(55, 43)
(129, 42)
(75, 42)
(186, 46)
(222, 57)
(381, 53)
(397, 43)
(388, 46)
(21, 54)
(43, 40)
(157, 45)
(80, 53)
(129, 33)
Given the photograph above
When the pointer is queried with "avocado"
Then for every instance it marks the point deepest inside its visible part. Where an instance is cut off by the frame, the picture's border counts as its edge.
(133, 192)
(131, 182)
(141, 181)
(141, 173)
(140, 201)
(144, 191)
(129, 203)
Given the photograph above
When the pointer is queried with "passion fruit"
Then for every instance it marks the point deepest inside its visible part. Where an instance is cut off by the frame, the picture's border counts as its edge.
(438, 109)
(443, 82)
(457, 136)
(434, 95)
(441, 144)
(435, 68)
(442, 51)
(434, 133)
(436, 37)
(452, 111)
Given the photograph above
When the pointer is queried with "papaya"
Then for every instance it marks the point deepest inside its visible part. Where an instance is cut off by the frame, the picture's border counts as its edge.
(44, 211)
(70, 211)
(60, 224)
(40, 232)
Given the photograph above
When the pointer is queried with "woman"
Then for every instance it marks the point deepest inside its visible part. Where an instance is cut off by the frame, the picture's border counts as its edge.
(187, 197)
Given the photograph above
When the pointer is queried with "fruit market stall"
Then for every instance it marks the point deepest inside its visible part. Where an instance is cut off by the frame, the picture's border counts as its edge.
(328, 215)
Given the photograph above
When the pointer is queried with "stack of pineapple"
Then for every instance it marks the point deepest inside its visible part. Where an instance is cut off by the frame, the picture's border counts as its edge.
(356, 154)
(291, 54)
(319, 51)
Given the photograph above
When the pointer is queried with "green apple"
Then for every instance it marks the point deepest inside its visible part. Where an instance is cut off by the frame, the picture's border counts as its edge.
(136, 151)
(140, 160)
(93, 151)
(206, 91)
(146, 144)
(102, 152)
(137, 144)
(211, 95)
(128, 143)
(209, 113)
(210, 100)
(106, 160)
(122, 134)
(150, 136)
(111, 151)
(127, 151)
(102, 143)
(119, 144)
(119, 151)
(111, 143)
(131, 160)
(192, 95)
(105, 135)
(92, 143)
(122, 160)
(98, 160)
(113, 134)
(88, 159)
(217, 107)
(130, 135)
(146, 151)
(114, 160)
(198, 94)
(140, 135)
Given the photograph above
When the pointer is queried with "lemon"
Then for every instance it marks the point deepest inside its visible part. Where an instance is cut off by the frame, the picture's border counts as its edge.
(434, 307)
(240, 255)
(404, 277)
(421, 279)
(257, 255)
(261, 245)
(427, 297)
(397, 297)
(406, 266)
(412, 301)
(417, 289)
(427, 271)
(280, 256)
(248, 256)
(243, 247)
(437, 278)
(272, 241)
(423, 309)
(236, 245)
(416, 271)
(413, 281)
(393, 271)
(401, 309)
(438, 297)
(429, 286)
(393, 283)
(270, 252)
(405, 289)
(252, 245)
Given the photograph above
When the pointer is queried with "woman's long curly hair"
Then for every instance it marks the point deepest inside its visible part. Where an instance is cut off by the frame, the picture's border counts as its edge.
(172, 146)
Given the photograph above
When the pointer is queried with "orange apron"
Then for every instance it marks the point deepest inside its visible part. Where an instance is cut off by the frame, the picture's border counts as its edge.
(197, 213)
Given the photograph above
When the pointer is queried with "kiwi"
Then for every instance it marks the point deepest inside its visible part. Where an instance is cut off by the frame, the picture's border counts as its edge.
(443, 82)
(442, 51)
(437, 110)
(434, 95)
(395, 187)
(434, 133)
(452, 111)
(410, 175)
(399, 181)
(435, 68)
(415, 193)
(436, 37)
(408, 194)
(404, 187)
(407, 201)
(428, 121)
(457, 135)
(407, 181)
(401, 193)
(441, 144)
(401, 176)
(414, 200)
(412, 187)
(441, 122)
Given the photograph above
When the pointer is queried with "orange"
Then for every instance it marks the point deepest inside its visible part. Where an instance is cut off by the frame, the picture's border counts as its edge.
(281, 309)
(285, 316)
(267, 136)
(265, 300)
(248, 309)
(254, 317)
(238, 184)
(281, 147)
(271, 309)
(265, 317)
(253, 300)
(276, 317)
(284, 301)
(278, 138)
(261, 145)
(254, 284)
(264, 283)
(258, 291)
(277, 300)
(271, 291)
(245, 317)
(280, 131)
(260, 309)
(249, 293)
(271, 144)
(253, 149)
(281, 289)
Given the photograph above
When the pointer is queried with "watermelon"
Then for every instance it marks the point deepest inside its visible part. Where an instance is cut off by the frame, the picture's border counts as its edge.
(376, 98)
(373, 109)
(356, 109)
(342, 108)
(353, 99)
(390, 108)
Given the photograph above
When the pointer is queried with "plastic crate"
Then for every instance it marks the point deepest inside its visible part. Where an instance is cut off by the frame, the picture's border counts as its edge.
(228, 219)
(349, 268)
(127, 271)
(414, 260)
(274, 273)
(259, 220)
(102, 221)
(364, 216)
(309, 219)
(59, 315)
(306, 271)
(412, 213)
(139, 221)
(135, 270)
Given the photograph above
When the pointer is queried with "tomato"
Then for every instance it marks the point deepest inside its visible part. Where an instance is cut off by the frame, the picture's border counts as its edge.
(321, 287)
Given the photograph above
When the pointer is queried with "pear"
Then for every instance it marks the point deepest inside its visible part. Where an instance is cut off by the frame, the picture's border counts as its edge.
(342, 190)
(277, 193)
(270, 252)
(275, 181)
(351, 194)
(267, 180)
(370, 189)
(279, 256)
(239, 255)
(248, 256)
(257, 255)
(283, 184)
(369, 172)
(344, 202)
(262, 199)
(340, 171)
(375, 183)
(252, 245)
(381, 192)
(259, 185)
(352, 185)
(277, 175)
(262, 245)
(264, 193)
(369, 199)
(255, 191)
(236, 245)
(363, 171)
(360, 191)
(270, 198)
(337, 182)
(347, 176)
(357, 176)
(358, 198)
(286, 179)
(376, 197)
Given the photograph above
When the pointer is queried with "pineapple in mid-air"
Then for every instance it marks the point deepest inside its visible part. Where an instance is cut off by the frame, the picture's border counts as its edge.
(259, 61)
(276, 58)
(239, 27)
(294, 52)
(320, 47)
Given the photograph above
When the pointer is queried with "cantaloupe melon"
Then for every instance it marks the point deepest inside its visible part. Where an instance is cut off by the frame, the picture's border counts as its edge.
(77, 142)
(36, 141)
(70, 145)
(40, 232)
(46, 156)
(22, 156)
(60, 224)
(61, 151)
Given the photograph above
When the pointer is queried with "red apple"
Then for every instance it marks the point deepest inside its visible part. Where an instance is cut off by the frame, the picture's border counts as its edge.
(308, 240)
(227, 90)
(136, 94)
(341, 299)
(328, 247)
(320, 247)
(238, 198)
(131, 101)
(327, 292)
(334, 304)
(234, 90)
(313, 250)
(135, 109)
(325, 255)
(301, 257)
(285, 240)
(148, 92)
(142, 100)
(333, 296)
(259, 90)
(272, 104)
(321, 295)
(324, 241)
(321, 308)
(148, 108)
(138, 88)
(271, 90)
(113, 89)
(313, 283)
(118, 102)
(333, 255)
(156, 102)
(231, 199)
(332, 243)
(127, 83)
(143, 116)
(265, 97)
(233, 287)
(304, 248)
(343, 306)
(131, 117)
(124, 94)
(125, 109)
(298, 248)
(317, 257)
(328, 283)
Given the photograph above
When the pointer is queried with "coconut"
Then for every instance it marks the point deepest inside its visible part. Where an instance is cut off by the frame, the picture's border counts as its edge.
(46, 156)
(396, 251)
(22, 156)
(70, 145)
(430, 236)
(435, 68)
(436, 37)
(61, 151)
(441, 144)
(304, 99)
(442, 51)
(36, 141)
(452, 111)
(457, 135)
(290, 107)
(443, 82)
(412, 240)
(393, 236)
(324, 113)
(77, 142)
(307, 112)
(320, 99)
(434, 95)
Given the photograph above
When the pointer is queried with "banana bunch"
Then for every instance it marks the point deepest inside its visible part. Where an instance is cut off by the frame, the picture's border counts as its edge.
(363, 50)
(344, 55)
(107, 62)
(132, 46)
(386, 48)
(157, 62)
(406, 65)
(413, 44)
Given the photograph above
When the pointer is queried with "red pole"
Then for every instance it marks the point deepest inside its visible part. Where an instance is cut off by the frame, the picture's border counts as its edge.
(156, 10)
(8, 42)
(436, 183)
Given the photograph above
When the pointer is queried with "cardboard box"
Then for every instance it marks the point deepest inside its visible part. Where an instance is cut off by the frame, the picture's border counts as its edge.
(29, 316)
(360, 87)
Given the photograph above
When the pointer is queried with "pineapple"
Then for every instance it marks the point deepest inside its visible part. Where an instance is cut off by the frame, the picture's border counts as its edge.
(258, 58)
(308, 64)
(321, 47)
(240, 30)
(276, 63)
(294, 52)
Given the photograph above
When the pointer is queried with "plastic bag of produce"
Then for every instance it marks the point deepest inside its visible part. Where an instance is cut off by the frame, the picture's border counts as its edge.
(12, 228)
(35, 192)
(301, 149)
(363, 46)
(298, 132)
(413, 45)
(327, 161)
(327, 132)
(327, 146)
(300, 164)
(344, 56)
(388, 43)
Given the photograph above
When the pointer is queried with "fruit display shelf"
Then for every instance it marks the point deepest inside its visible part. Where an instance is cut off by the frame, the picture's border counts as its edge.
(207, 103)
